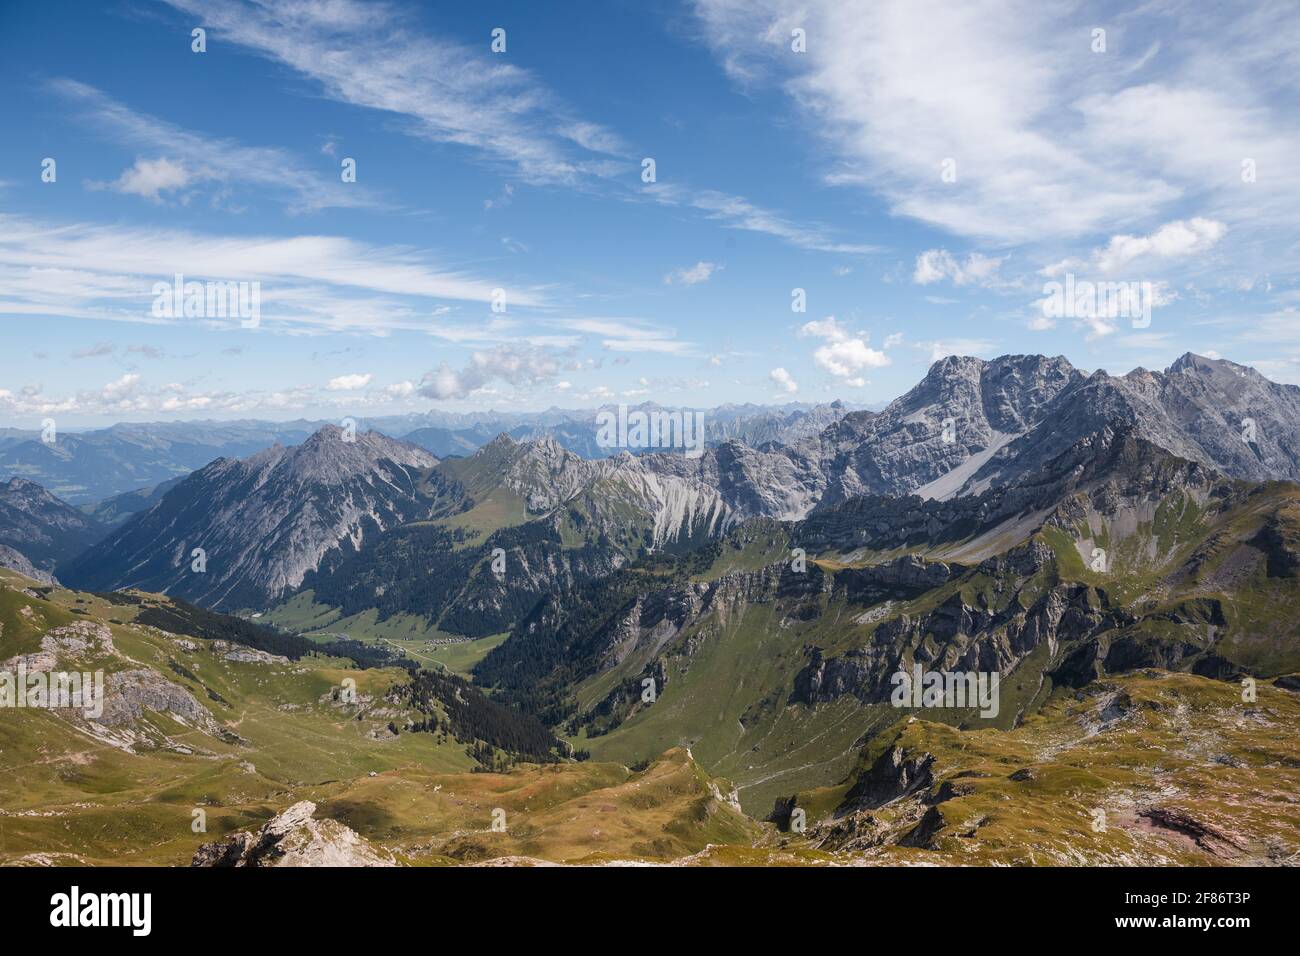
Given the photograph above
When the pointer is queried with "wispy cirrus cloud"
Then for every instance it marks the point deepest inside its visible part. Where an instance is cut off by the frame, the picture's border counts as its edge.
(183, 161)
(371, 56)
(737, 212)
(1008, 90)
(631, 335)
(308, 282)
(692, 275)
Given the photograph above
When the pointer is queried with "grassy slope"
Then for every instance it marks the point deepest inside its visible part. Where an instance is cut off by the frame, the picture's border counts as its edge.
(1177, 741)
(1149, 740)
(729, 698)
(67, 797)
(66, 792)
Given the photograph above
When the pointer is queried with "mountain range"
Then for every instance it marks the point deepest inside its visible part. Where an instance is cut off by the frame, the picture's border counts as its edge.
(87, 468)
(1013, 424)
(1120, 550)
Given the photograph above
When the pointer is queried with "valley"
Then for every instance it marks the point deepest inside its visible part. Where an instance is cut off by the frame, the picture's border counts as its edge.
(525, 656)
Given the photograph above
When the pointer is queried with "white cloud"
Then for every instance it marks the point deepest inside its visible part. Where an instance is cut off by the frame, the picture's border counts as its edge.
(785, 380)
(122, 386)
(349, 383)
(631, 335)
(893, 98)
(521, 366)
(130, 397)
(374, 57)
(845, 355)
(308, 282)
(377, 58)
(1050, 141)
(149, 178)
(1172, 240)
(182, 159)
(736, 212)
(935, 265)
(692, 275)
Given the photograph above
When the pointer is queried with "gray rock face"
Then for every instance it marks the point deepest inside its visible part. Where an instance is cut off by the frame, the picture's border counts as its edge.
(975, 440)
(576, 430)
(896, 773)
(263, 522)
(128, 694)
(1200, 409)
(1007, 420)
(15, 561)
(41, 527)
(66, 647)
(294, 838)
(907, 448)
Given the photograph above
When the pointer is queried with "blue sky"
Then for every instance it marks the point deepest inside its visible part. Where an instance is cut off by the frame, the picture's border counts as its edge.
(920, 171)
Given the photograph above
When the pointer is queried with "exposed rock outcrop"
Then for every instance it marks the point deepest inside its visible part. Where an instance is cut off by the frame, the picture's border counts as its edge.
(16, 561)
(294, 838)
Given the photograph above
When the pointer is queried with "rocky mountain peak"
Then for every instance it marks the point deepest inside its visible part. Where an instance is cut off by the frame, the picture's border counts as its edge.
(330, 456)
(266, 520)
(21, 491)
(1191, 362)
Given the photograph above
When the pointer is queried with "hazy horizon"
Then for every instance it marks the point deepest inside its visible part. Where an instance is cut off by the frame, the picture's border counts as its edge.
(74, 425)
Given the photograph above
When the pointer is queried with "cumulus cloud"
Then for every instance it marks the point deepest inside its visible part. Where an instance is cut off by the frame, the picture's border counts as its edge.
(846, 354)
(1174, 239)
(935, 265)
(785, 380)
(349, 383)
(130, 396)
(152, 177)
(399, 390)
(520, 366)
